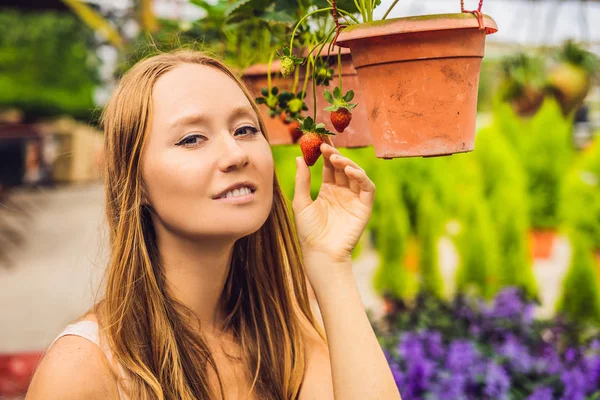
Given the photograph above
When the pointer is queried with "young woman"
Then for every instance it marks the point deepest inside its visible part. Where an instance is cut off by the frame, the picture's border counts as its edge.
(206, 294)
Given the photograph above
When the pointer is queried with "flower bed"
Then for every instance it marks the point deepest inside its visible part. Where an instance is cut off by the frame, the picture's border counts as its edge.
(471, 350)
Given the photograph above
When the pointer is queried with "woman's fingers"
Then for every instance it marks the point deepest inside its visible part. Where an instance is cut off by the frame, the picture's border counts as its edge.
(331, 153)
(328, 170)
(367, 187)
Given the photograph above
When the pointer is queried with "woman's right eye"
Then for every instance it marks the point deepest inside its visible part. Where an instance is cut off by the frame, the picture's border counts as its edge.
(191, 140)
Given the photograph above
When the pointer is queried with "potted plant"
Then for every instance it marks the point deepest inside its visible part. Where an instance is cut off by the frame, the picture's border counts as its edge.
(523, 83)
(310, 65)
(570, 79)
(419, 76)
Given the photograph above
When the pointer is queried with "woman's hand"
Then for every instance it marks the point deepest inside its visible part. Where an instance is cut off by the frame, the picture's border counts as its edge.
(330, 226)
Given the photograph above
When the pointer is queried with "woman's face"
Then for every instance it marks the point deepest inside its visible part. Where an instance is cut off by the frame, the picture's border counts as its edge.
(204, 139)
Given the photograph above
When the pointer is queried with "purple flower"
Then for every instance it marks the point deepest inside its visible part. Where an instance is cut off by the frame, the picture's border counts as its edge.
(432, 341)
(574, 382)
(516, 354)
(548, 362)
(461, 355)
(592, 368)
(418, 377)
(398, 375)
(541, 393)
(497, 382)
(450, 387)
(570, 356)
(410, 347)
(509, 304)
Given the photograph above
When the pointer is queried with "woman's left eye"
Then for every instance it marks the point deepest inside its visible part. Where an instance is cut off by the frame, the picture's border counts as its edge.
(246, 131)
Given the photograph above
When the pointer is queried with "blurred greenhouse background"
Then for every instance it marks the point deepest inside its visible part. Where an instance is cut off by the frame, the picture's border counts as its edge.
(480, 271)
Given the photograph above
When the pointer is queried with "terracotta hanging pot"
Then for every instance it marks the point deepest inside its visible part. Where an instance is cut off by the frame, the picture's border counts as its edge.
(419, 78)
(255, 77)
(357, 133)
(542, 243)
(529, 102)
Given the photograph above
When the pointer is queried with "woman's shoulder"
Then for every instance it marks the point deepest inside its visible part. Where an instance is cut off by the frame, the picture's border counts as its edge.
(74, 367)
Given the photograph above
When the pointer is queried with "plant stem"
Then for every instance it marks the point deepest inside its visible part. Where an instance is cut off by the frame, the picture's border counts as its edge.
(340, 68)
(357, 4)
(314, 85)
(302, 20)
(269, 70)
(346, 13)
(389, 10)
(296, 77)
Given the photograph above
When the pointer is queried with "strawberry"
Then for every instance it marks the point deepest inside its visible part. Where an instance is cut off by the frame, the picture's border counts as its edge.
(310, 144)
(341, 113)
(288, 62)
(295, 131)
(283, 118)
(311, 140)
(340, 119)
(287, 67)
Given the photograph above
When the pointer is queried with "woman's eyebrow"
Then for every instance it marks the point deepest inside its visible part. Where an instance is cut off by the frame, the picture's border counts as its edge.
(196, 118)
(189, 119)
(242, 111)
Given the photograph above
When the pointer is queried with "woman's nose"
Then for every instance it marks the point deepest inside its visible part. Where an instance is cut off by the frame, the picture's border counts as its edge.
(231, 155)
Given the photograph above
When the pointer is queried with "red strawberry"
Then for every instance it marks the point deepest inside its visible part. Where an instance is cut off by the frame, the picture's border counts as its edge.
(340, 119)
(295, 131)
(340, 113)
(310, 144)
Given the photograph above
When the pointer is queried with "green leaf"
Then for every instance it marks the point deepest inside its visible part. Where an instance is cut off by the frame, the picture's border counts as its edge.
(337, 93)
(331, 108)
(278, 17)
(264, 91)
(328, 96)
(238, 7)
(320, 126)
(349, 96)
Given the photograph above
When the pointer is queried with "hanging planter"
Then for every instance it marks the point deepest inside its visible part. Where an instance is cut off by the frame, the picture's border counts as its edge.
(571, 79)
(420, 77)
(523, 83)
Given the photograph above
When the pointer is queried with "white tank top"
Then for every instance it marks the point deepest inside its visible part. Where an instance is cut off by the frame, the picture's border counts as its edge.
(90, 331)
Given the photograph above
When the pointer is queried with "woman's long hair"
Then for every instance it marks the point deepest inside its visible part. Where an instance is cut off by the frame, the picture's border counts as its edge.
(149, 333)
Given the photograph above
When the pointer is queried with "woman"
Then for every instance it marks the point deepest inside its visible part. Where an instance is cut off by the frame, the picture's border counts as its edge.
(205, 294)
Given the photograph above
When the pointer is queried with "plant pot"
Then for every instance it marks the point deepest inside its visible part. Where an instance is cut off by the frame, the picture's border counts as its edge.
(357, 133)
(419, 78)
(256, 78)
(541, 243)
(570, 85)
(529, 102)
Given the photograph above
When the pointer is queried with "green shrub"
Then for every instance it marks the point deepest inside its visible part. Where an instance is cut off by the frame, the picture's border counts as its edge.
(47, 64)
(545, 151)
(580, 201)
(504, 187)
(580, 298)
(429, 230)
